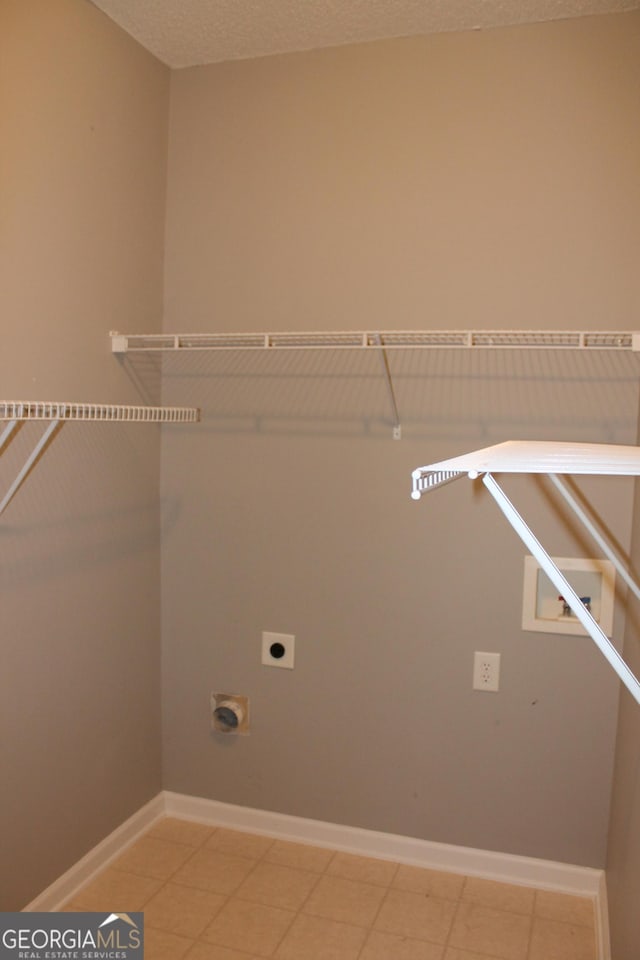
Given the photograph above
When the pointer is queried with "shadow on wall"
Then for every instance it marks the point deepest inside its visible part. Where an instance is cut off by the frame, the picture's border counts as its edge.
(90, 500)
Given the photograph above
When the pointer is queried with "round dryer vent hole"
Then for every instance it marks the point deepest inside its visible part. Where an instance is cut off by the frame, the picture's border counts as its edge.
(229, 713)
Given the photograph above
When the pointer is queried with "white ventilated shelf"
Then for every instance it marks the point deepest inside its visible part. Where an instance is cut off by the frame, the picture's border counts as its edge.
(380, 342)
(375, 340)
(554, 459)
(55, 414)
(19, 410)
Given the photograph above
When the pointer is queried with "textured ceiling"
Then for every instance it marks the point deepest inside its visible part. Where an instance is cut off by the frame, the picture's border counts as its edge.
(184, 33)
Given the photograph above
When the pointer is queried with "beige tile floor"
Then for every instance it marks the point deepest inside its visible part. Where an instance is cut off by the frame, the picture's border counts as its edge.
(216, 894)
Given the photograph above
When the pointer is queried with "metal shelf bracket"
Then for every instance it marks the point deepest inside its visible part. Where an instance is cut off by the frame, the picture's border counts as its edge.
(563, 587)
(31, 459)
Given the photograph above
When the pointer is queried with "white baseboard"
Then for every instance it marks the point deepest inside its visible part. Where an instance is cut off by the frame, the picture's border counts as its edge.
(505, 867)
(98, 858)
(603, 936)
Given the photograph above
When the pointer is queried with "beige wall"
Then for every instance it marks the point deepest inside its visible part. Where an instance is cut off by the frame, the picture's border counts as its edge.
(83, 125)
(469, 180)
(475, 179)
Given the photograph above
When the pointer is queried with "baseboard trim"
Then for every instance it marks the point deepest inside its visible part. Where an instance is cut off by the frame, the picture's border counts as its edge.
(507, 868)
(98, 858)
(603, 934)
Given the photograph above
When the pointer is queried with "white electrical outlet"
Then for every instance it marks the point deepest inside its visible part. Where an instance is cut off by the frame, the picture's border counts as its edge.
(486, 671)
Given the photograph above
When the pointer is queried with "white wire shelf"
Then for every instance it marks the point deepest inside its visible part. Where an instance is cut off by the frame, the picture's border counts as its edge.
(13, 412)
(20, 410)
(380, 342)
(381, 339)
(554, 459)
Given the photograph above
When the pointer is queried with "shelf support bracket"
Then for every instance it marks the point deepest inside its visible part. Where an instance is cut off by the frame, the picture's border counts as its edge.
(397, 428)
(563, 586)
(597, 535)
(31, 459)
(6, 433)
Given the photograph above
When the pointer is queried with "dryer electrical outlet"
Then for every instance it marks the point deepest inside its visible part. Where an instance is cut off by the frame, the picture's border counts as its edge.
(278, 650)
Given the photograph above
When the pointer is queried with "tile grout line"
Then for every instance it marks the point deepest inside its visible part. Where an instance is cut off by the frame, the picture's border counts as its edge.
(371, 927)
(500, 909)
(297, 912)
(459, 902)
(195, 849)
(234, 894)
(533, 916)
(168, 879)
(256, 861)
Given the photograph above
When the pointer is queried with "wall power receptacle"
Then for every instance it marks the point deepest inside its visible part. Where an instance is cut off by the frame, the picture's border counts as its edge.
(278, 650)
(486, 671)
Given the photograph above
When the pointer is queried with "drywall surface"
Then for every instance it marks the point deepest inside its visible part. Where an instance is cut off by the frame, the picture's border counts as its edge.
(623, 854)
(83, 126)
(472, 180)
